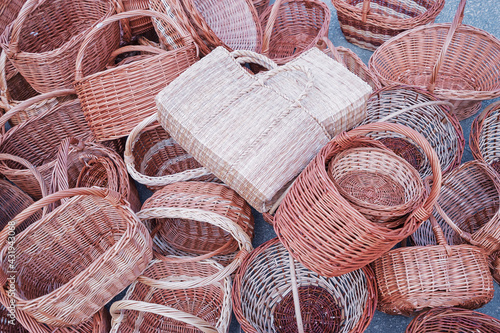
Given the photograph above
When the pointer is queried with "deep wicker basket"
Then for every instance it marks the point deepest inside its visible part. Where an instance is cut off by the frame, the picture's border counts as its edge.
(444, 59)
(370, 23)
(484, 134)
(43, 41)
(292, 27)
(270, 288)
(453, 320)
(158, 301)
(421, 111)
(324, 231)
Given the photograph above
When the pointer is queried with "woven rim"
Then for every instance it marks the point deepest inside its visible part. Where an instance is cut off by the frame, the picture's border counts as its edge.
(266, 274)
(483, 136)
(44, 304)
(164, 306)
(453, 320)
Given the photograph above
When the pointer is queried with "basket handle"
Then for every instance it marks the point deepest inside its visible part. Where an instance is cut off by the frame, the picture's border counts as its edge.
(158, 309)
(266, 38)
(295, 294)
(33, 100)
(36, 173)
(125, 23)
(245, 57)
(326, 45)
(5, 98)
(365, 10)
(438, 233)
(457, 20)
(131, 48)
(424, 211)
(416, 106)
(150, 180)
(118, 17)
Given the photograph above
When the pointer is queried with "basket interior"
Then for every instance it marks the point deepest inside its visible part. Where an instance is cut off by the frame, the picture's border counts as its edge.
(12, 202)
(489, 138)
(19, 89)
(71, 238)
(55, 22)
(398, 9)
(266, 283)
(204, 302)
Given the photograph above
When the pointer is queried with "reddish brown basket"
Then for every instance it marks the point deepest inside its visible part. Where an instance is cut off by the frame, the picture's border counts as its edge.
(370, 23)
(323, 231)
(154, 159)
(453, 320)
(114, 101)
(484, 134)
(412, 279)
(85, 252)
(292, 27)
(200, 218)
(8, 12)
(444, 59)
(421, 111)
(159, 300)
(137, 25)
(233, 24)
(260, 6)
(43, 41)
(270, 288)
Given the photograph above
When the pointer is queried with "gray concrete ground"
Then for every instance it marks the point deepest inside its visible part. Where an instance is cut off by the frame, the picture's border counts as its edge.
(483, 14)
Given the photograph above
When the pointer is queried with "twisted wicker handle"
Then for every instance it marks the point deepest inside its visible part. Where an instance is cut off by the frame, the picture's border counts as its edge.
(266, 38)
(416, 106)
(457, 20)
(365, 10)
(150, 180)
(5, 98)
(423, 212)
(133, 48)
(246, 57)
(438, 233)
(222, 222)
(118, 17)
(158, 309)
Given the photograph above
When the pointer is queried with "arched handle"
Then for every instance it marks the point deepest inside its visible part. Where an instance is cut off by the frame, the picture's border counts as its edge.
(266, 38)
(423, 212)
(158, 309)
(457, 20)
(414, 107)
(133, 48)
(248, 57)
(115, 18)
(365, 10)
(463, 234)
(34, 171)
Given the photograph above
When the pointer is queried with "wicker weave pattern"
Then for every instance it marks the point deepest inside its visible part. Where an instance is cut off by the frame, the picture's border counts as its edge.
(260, 6)
(274, 116)
(137, 25)
(46, 58)
(99, 248)
(8, 12)
(484, 135)
(262, 284)
(453, 320)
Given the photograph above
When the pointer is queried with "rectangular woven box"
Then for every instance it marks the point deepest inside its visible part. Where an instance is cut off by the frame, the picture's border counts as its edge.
(258, 132)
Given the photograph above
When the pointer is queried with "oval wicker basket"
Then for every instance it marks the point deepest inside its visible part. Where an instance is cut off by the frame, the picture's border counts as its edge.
(269, 284)
(444, 59)
(292, 27)
(154, 159)
(102, 94)
(323, 231)
(484, 135)
(370, 23)
(156, 301)
(421, 111)
(412, 279)
(453, 320)
(85, 252)
(200, 218)
(44, 51)
(233, 24)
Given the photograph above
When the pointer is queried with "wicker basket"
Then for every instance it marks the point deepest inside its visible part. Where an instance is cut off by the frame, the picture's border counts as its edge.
(328, 235)
(264, 300)
(44, 50)
(484, 135)
(412, 279)
(8, 323)
(453, 320)
(233, 24)
(200, 218)
(114, 101)
(421, 111)
(8, 12)
(273, 121)
(445, 59)
(157, 300)
(370, 23)
(133, 26)
(350, 60)
(292, 27)
(260, 6)
(154, 159)
(85, 252)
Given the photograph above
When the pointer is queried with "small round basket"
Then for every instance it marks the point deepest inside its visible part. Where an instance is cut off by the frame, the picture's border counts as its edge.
(370, 23)
(154, 159)
(453, 320)
(160, 300)
(74, 260)
(484, 135)
(328, 234)
(274, 293)
(421, 111)
(444, 59)
(292, 27)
